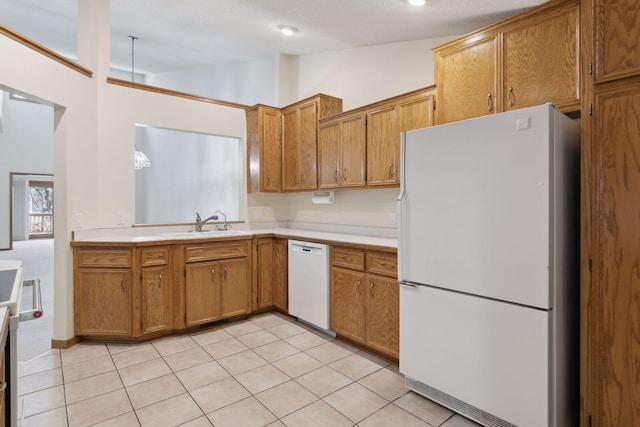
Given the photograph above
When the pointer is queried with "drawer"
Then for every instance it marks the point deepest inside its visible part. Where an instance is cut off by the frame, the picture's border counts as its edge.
(103, 258)
(347, 258)
(154, 256)
(384, 264)
(215, 251)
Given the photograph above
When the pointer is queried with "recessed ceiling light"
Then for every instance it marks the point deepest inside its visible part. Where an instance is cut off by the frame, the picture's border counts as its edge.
(287, 30)
(418, 2)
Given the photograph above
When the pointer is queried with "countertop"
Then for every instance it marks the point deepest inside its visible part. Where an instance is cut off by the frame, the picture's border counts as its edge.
(292, 233)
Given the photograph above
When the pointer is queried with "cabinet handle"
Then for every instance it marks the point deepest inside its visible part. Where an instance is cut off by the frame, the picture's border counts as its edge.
(359, 291)
(344, 175)
(160, 283)
(122, 285)
(511, 97)
(390, 170)
(213, 272)
(489, 102)
(268, 180)
(225, 273)
(371, 289)
(335, 176)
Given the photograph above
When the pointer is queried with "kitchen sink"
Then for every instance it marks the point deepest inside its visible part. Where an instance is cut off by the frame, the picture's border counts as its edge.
(202, 234)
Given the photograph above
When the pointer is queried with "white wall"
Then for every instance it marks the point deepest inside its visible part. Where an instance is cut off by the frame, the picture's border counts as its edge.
(26, 146)
(361, 76)
(247, 83)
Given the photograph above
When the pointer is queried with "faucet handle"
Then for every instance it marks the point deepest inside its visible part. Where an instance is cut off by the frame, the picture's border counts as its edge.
(198, 217)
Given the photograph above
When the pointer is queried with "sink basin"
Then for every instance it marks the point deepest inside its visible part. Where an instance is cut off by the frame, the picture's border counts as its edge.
(10, 285)
(202, 234)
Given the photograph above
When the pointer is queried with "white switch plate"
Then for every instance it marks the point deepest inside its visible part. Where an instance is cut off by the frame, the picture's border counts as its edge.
(258, 214)
(78, 220)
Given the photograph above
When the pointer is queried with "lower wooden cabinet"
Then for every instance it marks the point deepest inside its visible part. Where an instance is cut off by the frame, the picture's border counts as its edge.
(156, 299)
(365, 298)
(263, 273)
(216, 281)
(103, 301)
(281, 274)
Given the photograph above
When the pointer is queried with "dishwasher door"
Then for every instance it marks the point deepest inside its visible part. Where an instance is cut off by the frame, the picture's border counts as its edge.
(309, 282)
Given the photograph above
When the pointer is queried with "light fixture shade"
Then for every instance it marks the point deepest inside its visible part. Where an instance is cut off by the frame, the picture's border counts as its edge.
(418, 2)
(140, 160)
(287, 30)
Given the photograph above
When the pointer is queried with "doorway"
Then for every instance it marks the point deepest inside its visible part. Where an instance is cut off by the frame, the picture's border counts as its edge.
(31, 206)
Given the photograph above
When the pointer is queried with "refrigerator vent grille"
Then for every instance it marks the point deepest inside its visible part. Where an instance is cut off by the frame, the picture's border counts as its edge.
(457, 405)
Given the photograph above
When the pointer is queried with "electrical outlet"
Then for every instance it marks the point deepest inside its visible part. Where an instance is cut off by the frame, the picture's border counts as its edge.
(120, 218)
(258, 214)
(392, 219)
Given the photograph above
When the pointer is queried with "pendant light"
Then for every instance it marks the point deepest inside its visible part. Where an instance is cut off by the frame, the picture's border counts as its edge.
(140, 160)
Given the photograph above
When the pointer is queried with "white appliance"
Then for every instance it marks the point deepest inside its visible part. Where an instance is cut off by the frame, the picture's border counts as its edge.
(488, 265)
(309, 282)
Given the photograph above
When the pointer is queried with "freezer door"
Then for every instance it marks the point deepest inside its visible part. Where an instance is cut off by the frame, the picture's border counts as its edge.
(476, 205)
(488, 354)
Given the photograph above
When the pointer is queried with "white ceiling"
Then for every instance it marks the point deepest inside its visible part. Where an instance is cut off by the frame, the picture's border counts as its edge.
(180, 34)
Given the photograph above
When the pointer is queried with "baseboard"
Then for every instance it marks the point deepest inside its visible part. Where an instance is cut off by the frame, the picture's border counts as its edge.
(64, 344)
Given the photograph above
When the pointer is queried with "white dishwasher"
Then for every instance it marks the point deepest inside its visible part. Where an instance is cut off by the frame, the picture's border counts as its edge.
(309, 282)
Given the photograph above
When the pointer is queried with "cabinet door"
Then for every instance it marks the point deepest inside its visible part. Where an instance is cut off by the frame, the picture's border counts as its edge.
(103, 302)
(156, 299)
(466, 81)
(612, 300)
(328, 156)
(234, 295)
(383, 142)
(202, 292)
(264, 273)
(353, 149)
(348, 293)
(540, 61)
(383, 314)
(271, 170)
(416, 113)
(290, 149)
(280, 275)
(308, 146)
(617, 51)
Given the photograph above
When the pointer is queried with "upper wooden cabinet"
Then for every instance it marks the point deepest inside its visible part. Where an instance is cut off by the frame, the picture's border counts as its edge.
(264, 149)
(540, 60)
(342, 152)
(528, 59)
(616, 25)
(385, 123)
(299, 140)
(466, 78)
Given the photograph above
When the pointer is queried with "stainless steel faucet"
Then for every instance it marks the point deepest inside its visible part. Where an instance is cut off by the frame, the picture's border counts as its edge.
(225, 226)
(200, 222)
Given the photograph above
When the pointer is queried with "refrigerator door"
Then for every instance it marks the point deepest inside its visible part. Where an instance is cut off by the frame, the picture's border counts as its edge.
(475, 206)
(485, 353)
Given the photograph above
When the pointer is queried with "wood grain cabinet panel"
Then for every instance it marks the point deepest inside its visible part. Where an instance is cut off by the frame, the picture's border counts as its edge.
(383, 141)
(264, 149)
(300, 140)
(348, 304)
(280, 274)
(234, 288)
(466, 77)
(156, 299)
(202, 293)
(103, 302)
(364, 298)
(263, 274)
(616, 33)
(342, 152)
(383, 315)
(541, 61)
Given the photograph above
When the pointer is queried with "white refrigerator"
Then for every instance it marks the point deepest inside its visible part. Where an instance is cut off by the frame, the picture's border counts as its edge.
(488, 267)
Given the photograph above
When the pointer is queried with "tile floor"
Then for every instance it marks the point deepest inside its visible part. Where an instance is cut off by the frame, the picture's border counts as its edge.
(265, 371)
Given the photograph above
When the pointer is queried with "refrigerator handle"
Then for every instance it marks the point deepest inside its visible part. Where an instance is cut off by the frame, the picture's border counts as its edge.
(402, 142)
(399, 207)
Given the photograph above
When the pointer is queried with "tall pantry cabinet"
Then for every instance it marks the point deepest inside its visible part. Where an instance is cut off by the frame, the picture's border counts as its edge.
(610, 263)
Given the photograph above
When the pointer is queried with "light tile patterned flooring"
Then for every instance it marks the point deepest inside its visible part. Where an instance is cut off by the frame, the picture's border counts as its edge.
(265, 371)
